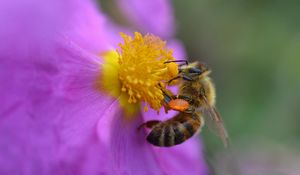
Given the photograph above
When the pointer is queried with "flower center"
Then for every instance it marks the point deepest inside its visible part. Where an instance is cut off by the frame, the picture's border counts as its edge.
(140, 67)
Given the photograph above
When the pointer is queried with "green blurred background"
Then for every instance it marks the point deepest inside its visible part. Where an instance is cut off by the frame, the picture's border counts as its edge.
(253, 48)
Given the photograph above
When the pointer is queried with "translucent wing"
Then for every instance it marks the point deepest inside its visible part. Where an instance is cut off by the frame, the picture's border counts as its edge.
(215, 123)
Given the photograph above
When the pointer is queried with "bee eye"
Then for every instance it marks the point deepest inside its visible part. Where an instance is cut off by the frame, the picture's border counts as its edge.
(195, 70)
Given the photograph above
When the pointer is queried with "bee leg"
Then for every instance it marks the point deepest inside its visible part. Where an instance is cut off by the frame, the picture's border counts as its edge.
(175, 78)
(149, 124)
(186, 98)
(167, 98)
(185, 77)
(168, 95)
(166, 107)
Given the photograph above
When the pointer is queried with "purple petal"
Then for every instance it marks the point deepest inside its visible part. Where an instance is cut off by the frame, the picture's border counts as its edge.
(130, 154)
(56, 114)
(34, 149)
(185, 158)
(179, 52)
(29, 26)
(50, 104)
(90, 29)
(52, 73)
(26, 148)
(89, 158)
(75, 103)
(155, 16)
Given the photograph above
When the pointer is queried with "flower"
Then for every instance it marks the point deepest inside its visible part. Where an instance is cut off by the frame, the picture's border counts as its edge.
(53, 117)
(134, 73)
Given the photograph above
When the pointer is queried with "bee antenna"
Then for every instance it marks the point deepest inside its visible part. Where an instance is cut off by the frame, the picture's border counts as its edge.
(172, 61)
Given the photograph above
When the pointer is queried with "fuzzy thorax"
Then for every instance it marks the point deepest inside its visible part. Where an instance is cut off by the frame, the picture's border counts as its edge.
(133, 72)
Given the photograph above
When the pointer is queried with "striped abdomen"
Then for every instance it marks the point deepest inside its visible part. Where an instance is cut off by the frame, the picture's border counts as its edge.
(175, 130)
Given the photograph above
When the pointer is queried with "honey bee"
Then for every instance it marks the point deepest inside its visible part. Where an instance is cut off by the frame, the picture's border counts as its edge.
(195, 98)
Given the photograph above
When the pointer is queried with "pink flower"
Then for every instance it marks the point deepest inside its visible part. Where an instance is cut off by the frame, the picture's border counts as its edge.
(53, 117)
(154, 16)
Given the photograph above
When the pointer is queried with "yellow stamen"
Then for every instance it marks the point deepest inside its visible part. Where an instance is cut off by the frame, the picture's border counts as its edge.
(134, 72)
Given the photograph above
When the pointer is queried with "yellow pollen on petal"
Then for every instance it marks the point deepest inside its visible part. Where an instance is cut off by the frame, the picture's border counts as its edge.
(140, 69)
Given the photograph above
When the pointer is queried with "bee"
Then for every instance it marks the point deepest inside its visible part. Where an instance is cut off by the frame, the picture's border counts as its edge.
(196, 97)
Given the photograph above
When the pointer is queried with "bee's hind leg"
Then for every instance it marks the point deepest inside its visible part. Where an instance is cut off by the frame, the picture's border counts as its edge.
(149, 124)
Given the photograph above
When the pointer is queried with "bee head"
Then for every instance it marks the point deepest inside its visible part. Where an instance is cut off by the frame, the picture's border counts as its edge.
(198, 69)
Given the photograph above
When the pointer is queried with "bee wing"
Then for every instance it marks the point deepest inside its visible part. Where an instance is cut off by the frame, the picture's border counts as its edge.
(215, 123)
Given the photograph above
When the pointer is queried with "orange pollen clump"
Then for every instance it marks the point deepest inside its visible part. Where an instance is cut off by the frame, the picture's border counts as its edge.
(179, 104)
